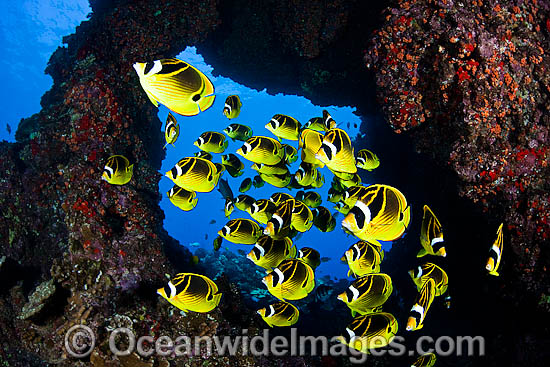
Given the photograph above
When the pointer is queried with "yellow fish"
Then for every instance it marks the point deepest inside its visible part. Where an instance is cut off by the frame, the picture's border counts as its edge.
(310, 143)
(335, 196)
(262, 149)
(371, 331)
(310, 256)
(196, 174)
(228, 207)
(191, 292)
(244, 202)
(183, 199)
(232, 107)
(241, 231)
(211, 142)
(362, 258)
(354, 181)
(281, 219)
(425, 360)
(431, 235)
(291, 154)
(269, 253)
(279, 181)
(367, 160)
(278, 197)
(292, 279)
(117, 170)
(310, 198)
(382, 214)
(316, 124)
(337, 152)
(238, 132)
(233, 164)
(245, 185)
(495, 254)
(278, 169)
(354, 193)
(342, 208)
(306, 174)
(172, 130)
(323, 219)
(328, 121)
(284, 127)
(176, 84)
(279, 314)
(422, 273)
(257, 182)
(204, 155)
(367, 294)
(302, 217)
(262, 210)
(421, 306)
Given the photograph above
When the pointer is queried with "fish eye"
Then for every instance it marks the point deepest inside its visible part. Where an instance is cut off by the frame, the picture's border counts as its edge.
(359, 217)
(196, 97)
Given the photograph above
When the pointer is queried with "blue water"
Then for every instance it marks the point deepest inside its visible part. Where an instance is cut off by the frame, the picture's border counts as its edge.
(258, 107)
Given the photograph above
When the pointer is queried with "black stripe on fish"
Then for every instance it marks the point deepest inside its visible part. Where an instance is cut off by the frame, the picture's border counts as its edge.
(359, 216)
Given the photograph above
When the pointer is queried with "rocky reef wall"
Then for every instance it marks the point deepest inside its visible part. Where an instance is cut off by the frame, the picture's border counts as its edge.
(466, 82)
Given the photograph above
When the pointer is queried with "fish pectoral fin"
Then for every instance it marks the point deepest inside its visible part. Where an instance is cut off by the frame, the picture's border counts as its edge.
(422, 252)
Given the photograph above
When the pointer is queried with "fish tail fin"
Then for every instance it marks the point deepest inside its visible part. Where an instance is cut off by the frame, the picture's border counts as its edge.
(494, 273)
(419, 327)
(422, 253)
(131, 169)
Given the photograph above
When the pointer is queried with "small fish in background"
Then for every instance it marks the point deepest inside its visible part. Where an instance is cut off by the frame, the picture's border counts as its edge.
(268, 253)
(315, 124)
(310, 256)
(171, 130)
(194, 244)
(371, 331)
(191, 292)
(367, 160)
(362, 258)
(238, 132)
(277, 169)
(425, 360)
(336, 151)
(292, 279)
(306, 174)
(344, 209)
(176, 84)
(279, 181)
(353, 181)
(241, 252)
(212, 221)
(291, 154)
(355, 125)
(244, 202)
(225, 189)
(279, 197)
(284, 127)
(421, 306)
(495, 254)
(233, 164)
(257, 182)
(367, 294)
(426, 271)
(279, 314)
(262, 210)
(183, 199)
(8, 129)
(431, 235)
(117, 170)
(196, 174)
(232, 107)
(204, 155)
(246, 184)
(217, 243)
(206, 236)
(312, 199)
(322, 293)
(262, 149)
(325, 259)
(241, 231)
(211, 142)
(328, 121)
(228, 207)
(194, 260)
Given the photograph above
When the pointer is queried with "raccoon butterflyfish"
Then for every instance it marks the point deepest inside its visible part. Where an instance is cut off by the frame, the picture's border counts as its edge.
(319, 180)
(367, 294)
(316, 124)
(171, 130)
(422, 273)
(281, 218)
(354, 181)
(268, 253)
(232, 107)
(238, 132)
(421, 306)
(228, 207)
(328, 121)
(311, 198)
(370, 331)
(262, 149)
(342, 208)
(279, 197)
(495, 254)
(117, 170)
(244, 202)
(310, 143)
(279, 181)
(335, 196)
(203, 154)
(277, 169)
(176, 84)
(336, 152)
(343, 176)
(217, 243)
(211, 142)
(367, 160)
(310, 256)
(354, 193)
(291, 154)
(382, 214)
(306, 174)
(302, 217)
(262, 210)
(279, 314)
(362, 258)
(258, 182)
(431, 235)
(183, 199)
(233, 164)
(241, 231)
(284, 127)
(292, 279)
(425, 360)
(323, 219)
(196, 174)
(191, 292)
(246, 184)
